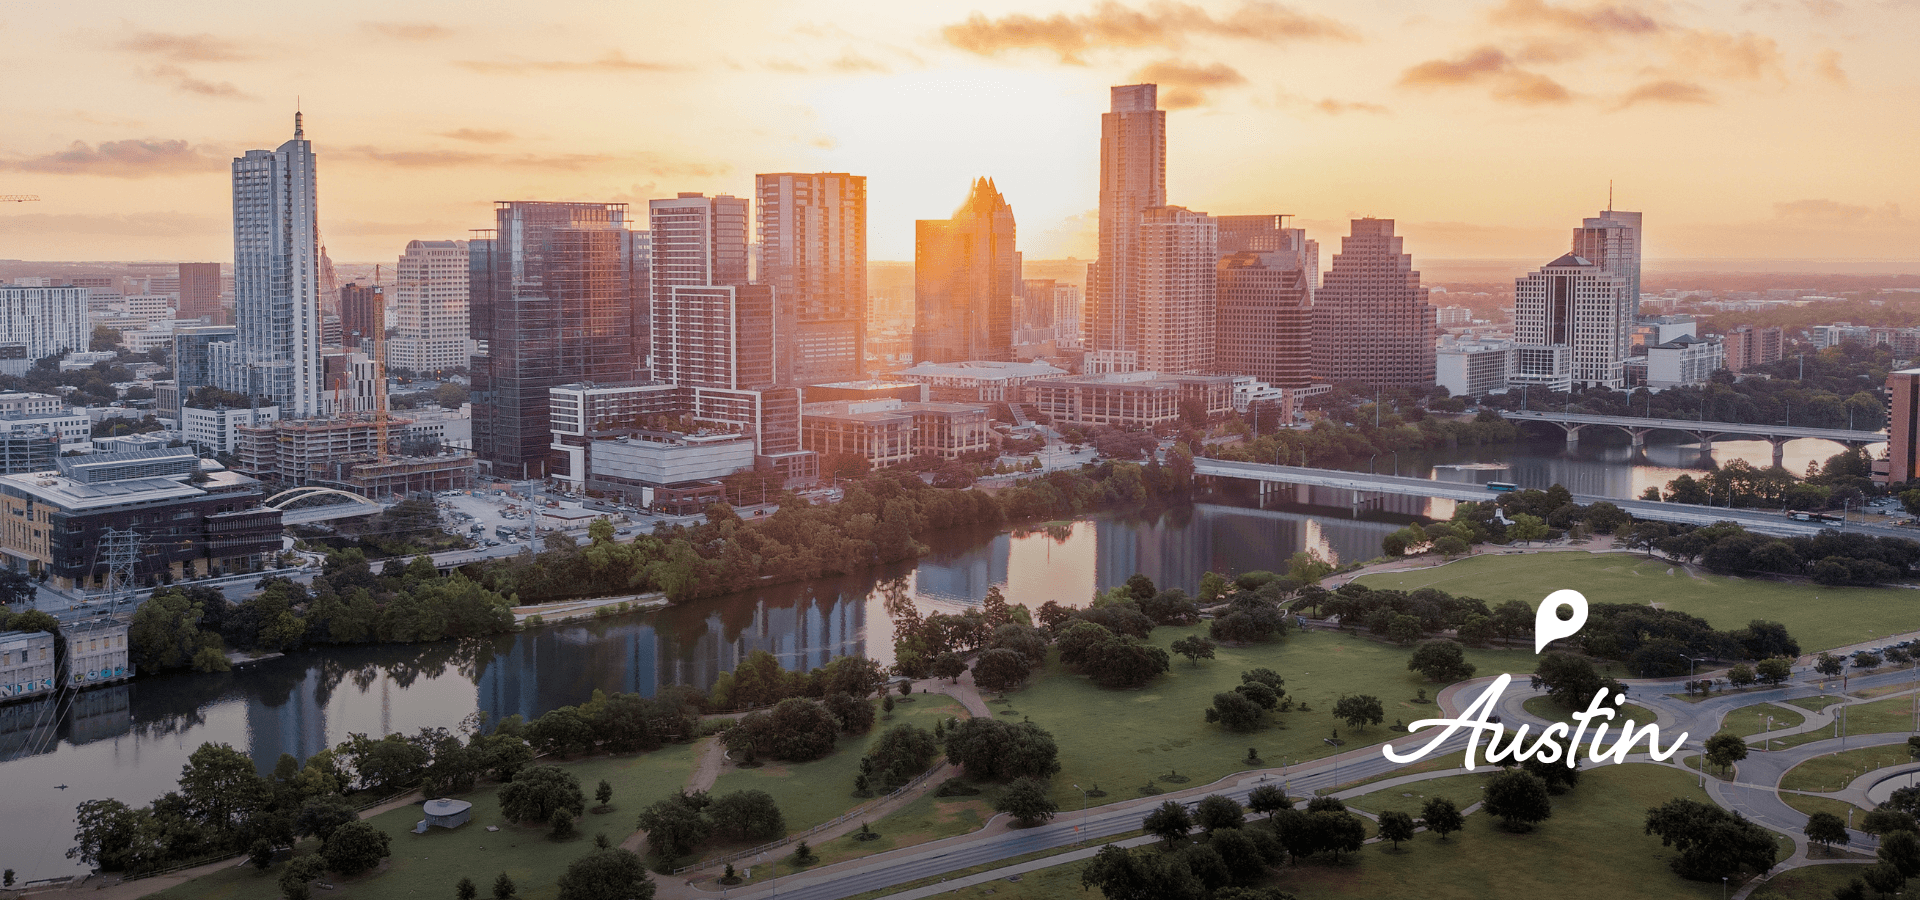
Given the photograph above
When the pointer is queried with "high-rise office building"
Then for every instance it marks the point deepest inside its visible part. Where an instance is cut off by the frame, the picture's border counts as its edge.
(1265, 322)
(1903, 427)
(431, 321)
(1371, 321)
(813, 251)
(42, 321)
(1270, 234)
(550, 301)
(363, 314)
(640, 290)
(1611, 241)
(1571, 321)
(1133, 178)
(1175, 283)
(966, 276)
(276, 280)
(193, 358)
(200, 293)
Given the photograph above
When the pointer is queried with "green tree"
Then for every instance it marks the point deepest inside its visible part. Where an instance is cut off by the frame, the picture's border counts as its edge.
(1268, 799)
(1169, 821)
(1725, 749)
(608, 873)
(1359, 710)
(1440, 660)
(1124, 875)
(1830, 665)
(320, 816)
(466, 889)
(1518, 798)
(560, 825)
(1885, 879)
(1529, 528)
(536, 791)
(1194, 648)
(1027, 800)
(1826, 829)
(603, 794)
(1396, 826)
(1713, 843)
(991, 750)
(1901, 850)
(1000, 671)
(674, 826)
(220, 787)
(747, 816)
(355, 847)
(1740, 676)
(1216, 811)
(296, 880)
(949, 666)
(1235, 711)
(1441, 817)
(503, 887)
(1773, 671)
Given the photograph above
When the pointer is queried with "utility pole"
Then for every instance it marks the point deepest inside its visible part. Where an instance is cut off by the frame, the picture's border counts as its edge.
(122, 549)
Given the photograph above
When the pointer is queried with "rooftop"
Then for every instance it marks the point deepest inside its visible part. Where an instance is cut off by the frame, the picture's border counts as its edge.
(984, 370)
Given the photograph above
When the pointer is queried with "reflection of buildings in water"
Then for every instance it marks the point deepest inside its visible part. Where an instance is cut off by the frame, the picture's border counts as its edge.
(1316, 544)
(297, 726)
(551, 667)
(1606, 476)
(1341, 498)
(1226, 539)
(29, 727)
(963, 577)
(100, 714)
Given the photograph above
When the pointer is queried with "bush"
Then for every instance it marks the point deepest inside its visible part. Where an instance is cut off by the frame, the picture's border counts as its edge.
(354, 848)
(747, 816)
(537, 791)
(1027, 800)
(991, 750)
(902, 752)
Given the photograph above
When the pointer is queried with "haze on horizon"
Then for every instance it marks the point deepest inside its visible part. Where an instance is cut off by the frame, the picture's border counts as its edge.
(1757, 129)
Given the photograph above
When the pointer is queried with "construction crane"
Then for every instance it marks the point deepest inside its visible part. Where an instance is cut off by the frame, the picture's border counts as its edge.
(19, 198)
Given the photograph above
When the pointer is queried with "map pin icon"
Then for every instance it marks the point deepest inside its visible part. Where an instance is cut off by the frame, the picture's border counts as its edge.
(1547, 624)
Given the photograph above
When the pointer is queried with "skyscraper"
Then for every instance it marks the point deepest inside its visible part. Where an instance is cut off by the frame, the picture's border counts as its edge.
(1611, 241)
(1269, 234)
(1371, 321)
(813, 251)
(1133, 177)
(1174, 285)
(432, 316)
(1570, 325)
(200, 293)
(276, 280)
(363, 314)
(966, 276)
(555, 310)
(1265, 322)
(640, 290)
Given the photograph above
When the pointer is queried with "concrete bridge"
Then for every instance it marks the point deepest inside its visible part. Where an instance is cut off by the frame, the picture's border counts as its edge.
(1705, 432)
(1362, 484)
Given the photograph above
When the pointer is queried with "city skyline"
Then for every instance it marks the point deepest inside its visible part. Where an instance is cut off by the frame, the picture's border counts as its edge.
(1704, 117)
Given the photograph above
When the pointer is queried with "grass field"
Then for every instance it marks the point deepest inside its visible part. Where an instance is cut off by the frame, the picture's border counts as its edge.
(1120, 739)
(813, 792)
(1463, 790)
(1818, 617)
(1889, 716)
(1809, 804)
(1816, 704)
(428, 865)
(1545, 708)
(1751, 721)
(1809, 882)
(1835, 771)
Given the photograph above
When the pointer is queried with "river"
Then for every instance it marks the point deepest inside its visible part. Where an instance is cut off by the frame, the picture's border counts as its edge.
(130, 741)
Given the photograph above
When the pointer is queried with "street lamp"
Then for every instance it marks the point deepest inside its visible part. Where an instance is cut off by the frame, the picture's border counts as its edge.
(1083, 811)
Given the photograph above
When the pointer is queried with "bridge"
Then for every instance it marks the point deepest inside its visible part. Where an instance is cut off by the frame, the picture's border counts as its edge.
(1362, 483)
(347, 505)
(1705, 432)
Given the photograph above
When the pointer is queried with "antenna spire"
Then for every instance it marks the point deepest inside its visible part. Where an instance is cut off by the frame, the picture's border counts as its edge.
(1609, 195)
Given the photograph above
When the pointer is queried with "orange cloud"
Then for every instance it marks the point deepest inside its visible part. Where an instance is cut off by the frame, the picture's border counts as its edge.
(1745, 56)
(1829, 67)
(1491, 67)
(1334, 107)
(408, 31)
(478, 135)
(1832, 212)
(119, 159)
(1665, 92)
(612, 61)
(569, 162)
(183, 81)
(1187, 83)
(1599, 19)
(1163, 24)
(185, 47)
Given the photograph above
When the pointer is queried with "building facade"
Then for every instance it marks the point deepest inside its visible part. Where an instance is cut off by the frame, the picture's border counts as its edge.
(1371, 321)
(276, 280)
(363, 315)
(1264, 325)
(1473, 368)
(1131, 400)
(1133, 178)
(44, 320)
(431, 321)
(217, 430)
(890, 432)
(1580, 313)
(1611, 241)
(29, 664)
(986, 381)
(966, 278)
(1749, 347)
(813, 250)
(1684, 361)
(1903, 427)
(1175, 284)
(200, 293)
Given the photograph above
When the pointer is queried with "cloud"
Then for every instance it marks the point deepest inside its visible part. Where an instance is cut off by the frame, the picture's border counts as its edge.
(1830, 212)
(1334, 107)
(183, 81)
(850, 61)
(567, 162)
(407, 31)
(1828, 65)
(1745, 56)
(185, 47)
(478, 135)
(1163, 24)
(119, 159)
(146, 224)
(1666, 92)
(1188, 83)
(1599, 19)
(612, 61)
(1490, 67)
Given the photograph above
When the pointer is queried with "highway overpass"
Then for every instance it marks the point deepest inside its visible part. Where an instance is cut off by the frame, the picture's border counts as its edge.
(1637, 428)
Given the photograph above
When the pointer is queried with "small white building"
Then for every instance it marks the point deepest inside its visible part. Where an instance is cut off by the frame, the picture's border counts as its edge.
(218, 429)
(444, 813)
(1473, 368)
(1682, 361)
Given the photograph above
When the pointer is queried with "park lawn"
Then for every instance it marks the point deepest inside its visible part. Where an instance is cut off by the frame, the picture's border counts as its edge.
(1835, 771)
(1882, 690)
(810, 793)
(928, 818)
(428, 865)
(1464, 790)
(1751, 721)
(1816, 704)
(1889, 716)
(1810, 804)
(1809, 882)
(1545, 708)
(1818, 617)
(1595, 846)
(1119, 740)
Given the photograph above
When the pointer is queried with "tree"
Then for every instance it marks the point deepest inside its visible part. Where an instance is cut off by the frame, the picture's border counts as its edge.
(1885, 879)
(1027, 800)
(1713, 843)
(560, 825)
(1338, 831)
(1396, 826)
(1169, 821)
(1518, 798)
(466, 889)
(949, 666)
(1725, 749)
(503, 887)
(747, 816)
(1571, 680)
(608, 873)
(1215, 811)
(1235, 711)
(991, 750)
(355, 847)
(1826, 829)
(1559, 778)
(674, 826)
(259, 854)
(1529, 528)
(855, 714)
(536, 791)
(1901, 850)
(1359, 710)
(1773, 671)
(1441, 817)
(1194, 648)
(603, 794)
(1124, 875)
(901, 753)
(1440, 661)
(297, 878)
(221, 787)
(1000, 671)
(1830, 665)
(319, 816)
(1740, 676)
(1268, 799)
(1886, 821)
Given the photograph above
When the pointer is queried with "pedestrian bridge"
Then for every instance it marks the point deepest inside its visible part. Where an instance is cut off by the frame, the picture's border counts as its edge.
(307, 505)
(1638, 427)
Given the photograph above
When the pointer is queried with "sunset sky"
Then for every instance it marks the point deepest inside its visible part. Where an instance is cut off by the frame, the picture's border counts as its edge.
(1750, 129)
